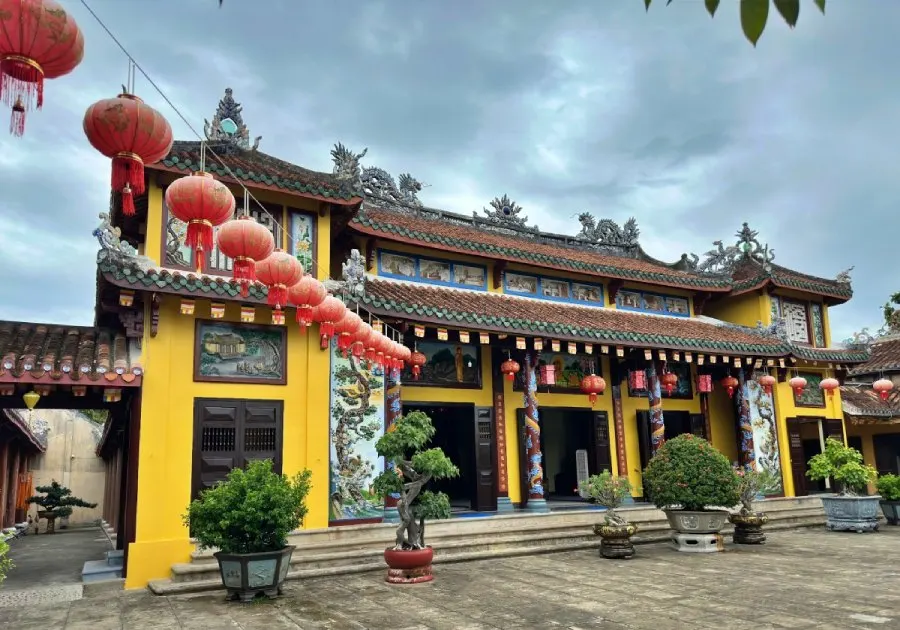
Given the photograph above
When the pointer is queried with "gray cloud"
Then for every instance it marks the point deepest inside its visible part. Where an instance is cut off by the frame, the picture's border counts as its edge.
(667, 116)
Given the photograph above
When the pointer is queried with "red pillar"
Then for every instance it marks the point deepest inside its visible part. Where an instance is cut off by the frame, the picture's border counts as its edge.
(19, 514)
(4, 481)
(13, 486)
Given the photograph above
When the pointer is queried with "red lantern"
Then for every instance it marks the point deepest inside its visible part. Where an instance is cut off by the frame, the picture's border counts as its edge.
(382, 350)
(279, 271)
(133, 134)
(329, 312)
(358, 340)
(730, 384)
(203, 203)
(510, 368)
(798, 384)
(405, 355)
(593, 385)
(345, 328)
(38, 41)
(669, 381)
(370, 342)
(244, 241)
(829, 385)
(548, 374)
(704, 382)
(417, 359)
(767, 381)
(638, 380)
(883, 386)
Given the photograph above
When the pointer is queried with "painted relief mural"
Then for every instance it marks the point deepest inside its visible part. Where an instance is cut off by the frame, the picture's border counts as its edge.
(303, 234)
(812, 395)
(448, 364)
(240, 353)
(569, 370)
(357, 421)
(818, 325)
(683, 389)
(765, 439)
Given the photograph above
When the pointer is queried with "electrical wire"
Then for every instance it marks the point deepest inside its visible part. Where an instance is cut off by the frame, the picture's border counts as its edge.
(133, 64)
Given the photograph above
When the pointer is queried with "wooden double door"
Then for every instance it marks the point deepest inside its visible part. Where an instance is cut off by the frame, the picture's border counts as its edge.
(230, 433)
(677, 423)
(804, 444)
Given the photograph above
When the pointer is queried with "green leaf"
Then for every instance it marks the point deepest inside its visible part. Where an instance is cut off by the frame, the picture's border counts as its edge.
(821, 5)
(647, 4)
(789, 10)
(711, 6)
(754, 14)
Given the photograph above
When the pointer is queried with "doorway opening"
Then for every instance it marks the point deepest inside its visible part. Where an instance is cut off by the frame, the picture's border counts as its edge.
(676, 423)
(887, 452)
(806, 439)
(454, 434)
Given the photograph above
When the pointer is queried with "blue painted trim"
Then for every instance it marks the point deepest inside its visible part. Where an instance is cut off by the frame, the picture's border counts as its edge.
(540, 284)
(644, 309)
(417, 260)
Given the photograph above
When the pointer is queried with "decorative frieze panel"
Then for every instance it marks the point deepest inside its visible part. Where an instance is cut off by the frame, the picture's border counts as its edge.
(818, 324)
(796, 321)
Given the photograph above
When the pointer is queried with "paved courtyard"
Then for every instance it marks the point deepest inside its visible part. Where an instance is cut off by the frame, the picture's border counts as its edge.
(800, 579)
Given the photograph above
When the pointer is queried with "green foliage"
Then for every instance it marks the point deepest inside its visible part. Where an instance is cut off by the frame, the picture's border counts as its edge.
(755, 13)
(432, 505)
(58, 500)
(252, 511)
(688, 472)
(889, 487)
(97, 416)
(6, 565)
(844, 464)
(608, 491)
(891, 320)
(752, 483)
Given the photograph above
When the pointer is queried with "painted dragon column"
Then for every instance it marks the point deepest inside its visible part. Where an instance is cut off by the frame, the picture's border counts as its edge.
(392, 410)
(615, 372)
(657, 421)
(745, 425)
(536, 500)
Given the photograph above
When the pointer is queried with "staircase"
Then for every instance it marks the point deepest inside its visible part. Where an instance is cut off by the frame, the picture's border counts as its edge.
(110, 568)
(359, 548)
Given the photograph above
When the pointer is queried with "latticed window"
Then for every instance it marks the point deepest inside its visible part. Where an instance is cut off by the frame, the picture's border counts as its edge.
(796, 320)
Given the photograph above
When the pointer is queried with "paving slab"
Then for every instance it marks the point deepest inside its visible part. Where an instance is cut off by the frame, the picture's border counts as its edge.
(807, 578)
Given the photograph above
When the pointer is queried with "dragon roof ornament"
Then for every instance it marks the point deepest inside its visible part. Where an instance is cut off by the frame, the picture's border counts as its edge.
(376, 184)
(724, 260)
(605, 233)
(113, 247)
(505, 212)
(227, 126)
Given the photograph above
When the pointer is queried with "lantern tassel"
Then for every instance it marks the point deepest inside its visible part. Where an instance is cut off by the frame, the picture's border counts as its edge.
(304, 317)
(127, 202)
(17, 120)
(244, 271)
(199, 237)
(277, 295)
(128, 169)
(21, 86)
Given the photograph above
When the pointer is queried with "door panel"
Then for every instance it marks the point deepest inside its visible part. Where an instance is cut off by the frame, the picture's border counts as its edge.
(485, 487)
(798, 458)
(643, 426)
(887, 453)
(833, 429)
(698, 425)
(261, 435)
(601, 444)
(523, 457)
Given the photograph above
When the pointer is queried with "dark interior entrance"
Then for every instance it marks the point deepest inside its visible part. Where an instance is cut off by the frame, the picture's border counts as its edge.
(805, 443)
(565, 431)
(465, 433)
(887, 453)
(676, 423)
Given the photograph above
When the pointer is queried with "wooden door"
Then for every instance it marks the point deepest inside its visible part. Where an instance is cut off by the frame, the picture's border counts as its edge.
(523, 457)
(887, 453)
(798, 458)
(643, 427)
(601, 445)
(833, 429)
(229, 433)
(698, 425)
(485, 486)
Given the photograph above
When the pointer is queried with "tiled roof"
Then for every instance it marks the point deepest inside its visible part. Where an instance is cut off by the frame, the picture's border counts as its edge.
(19, 423)
(65, 354)
(861, 400)
(470, 239)
(255, 168)
(885, 357)
(832, 355)
(750, 276)
(491, 311)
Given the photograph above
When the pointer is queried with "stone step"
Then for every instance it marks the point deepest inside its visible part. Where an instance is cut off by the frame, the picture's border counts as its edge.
(209, 579)
(115, 558)
(98, 571)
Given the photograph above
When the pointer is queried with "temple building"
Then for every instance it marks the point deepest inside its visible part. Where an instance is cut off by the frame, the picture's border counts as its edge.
(510, 320)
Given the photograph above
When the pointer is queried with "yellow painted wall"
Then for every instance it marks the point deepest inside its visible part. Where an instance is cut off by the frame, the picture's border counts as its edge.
(746, 309)
(867, 432)
(723, 423)
(167, 413)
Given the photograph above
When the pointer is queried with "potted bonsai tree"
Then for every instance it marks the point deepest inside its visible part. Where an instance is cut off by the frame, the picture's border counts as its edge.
(692, 482)
(248, 518)
(413, 466)
(57, 502)
(850, 509)
(747, 523)
(615, 531)
(888, 487)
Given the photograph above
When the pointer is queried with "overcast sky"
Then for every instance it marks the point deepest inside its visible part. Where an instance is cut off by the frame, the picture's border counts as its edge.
(568, 107)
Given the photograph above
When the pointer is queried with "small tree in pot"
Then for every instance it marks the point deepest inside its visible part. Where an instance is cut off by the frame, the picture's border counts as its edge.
(888, 487)
(691, 482)
(850, 509)
(248, 518)
(747, 522)
(57, 502)
(615, 531)
(409, 560)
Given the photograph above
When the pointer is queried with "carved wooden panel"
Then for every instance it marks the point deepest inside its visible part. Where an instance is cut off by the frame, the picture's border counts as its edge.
(796, 321)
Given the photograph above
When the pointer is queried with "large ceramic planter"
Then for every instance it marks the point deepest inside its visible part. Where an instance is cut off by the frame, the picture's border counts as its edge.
(245, 575)
(891, 511)
(748, 528)
(697, 532)
(409, 566)
(851, 514)
(50, 515)
(615, 540)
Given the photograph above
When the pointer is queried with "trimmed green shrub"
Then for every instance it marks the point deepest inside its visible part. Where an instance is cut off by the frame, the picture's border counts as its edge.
(252, 511)
(687, 472)
(845, 465)
(889, 487)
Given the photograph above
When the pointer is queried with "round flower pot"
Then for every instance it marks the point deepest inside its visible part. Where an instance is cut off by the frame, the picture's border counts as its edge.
(851, 514)
(409, 566)
(891, 511)
(697, 532)
(748, 528)
(245, 575)
(615, 540)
